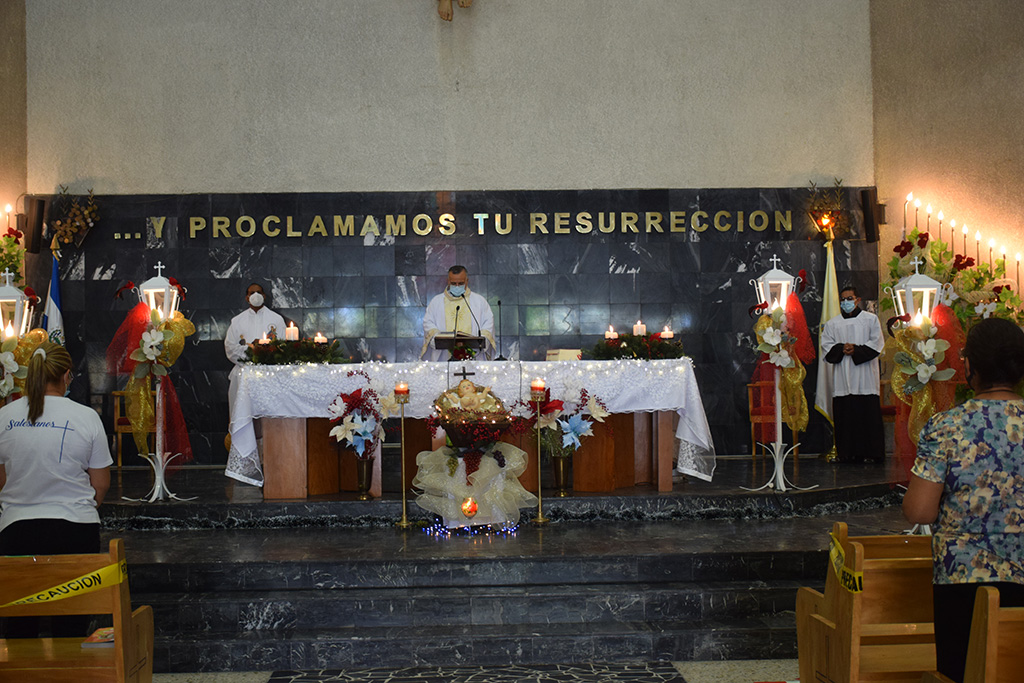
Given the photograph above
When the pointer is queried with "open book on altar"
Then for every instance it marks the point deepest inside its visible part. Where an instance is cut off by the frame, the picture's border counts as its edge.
(448, 340)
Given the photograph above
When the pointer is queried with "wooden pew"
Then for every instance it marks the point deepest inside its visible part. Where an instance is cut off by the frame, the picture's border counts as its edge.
(130, 660)
(884, 633)
(996, 650)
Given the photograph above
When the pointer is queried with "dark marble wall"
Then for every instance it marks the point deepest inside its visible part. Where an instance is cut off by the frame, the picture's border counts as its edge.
(556, 290)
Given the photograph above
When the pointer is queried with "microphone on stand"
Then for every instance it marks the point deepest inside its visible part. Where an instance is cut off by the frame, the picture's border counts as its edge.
(455, 332)
(501, 356)
(479, 329)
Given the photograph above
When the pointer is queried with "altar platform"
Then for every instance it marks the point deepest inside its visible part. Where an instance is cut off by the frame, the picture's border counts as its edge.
(707, 571)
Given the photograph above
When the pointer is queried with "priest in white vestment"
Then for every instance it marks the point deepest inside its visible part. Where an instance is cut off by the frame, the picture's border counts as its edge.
(457, 309)
(852, 342)
(245, 328)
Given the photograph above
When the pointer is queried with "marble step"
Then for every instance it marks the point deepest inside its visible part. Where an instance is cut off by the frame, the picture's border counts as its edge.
(202, 576)
(772, 637)
(224, 614)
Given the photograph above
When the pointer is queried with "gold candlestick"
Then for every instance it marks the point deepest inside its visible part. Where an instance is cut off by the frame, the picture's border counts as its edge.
(537, 396)
(401, 398)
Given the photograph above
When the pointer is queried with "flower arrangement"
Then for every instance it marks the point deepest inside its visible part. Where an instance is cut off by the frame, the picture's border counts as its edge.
(77, 219)
(149, 356)
(930, 353)
(774, 339)
(11, 368)
(359, 417)
(561, 424)
(462, 352)
(12, 254)
(642, 347)
(972, 290)
(281, 352)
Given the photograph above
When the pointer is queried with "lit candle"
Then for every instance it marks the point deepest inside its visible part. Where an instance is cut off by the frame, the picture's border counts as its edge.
(940, 226)
(910, 198)
(401, 389)
(263, 339)
(991, 246)
(917, 210)
(667, 333)
(639, 329)
(928, 226)
(537, 385)
(611, 333)
(7, 209)
(291, 333)
(319, 339)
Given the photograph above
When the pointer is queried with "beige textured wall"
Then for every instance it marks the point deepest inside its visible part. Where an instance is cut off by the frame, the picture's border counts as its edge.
(13, 132)
(150, 96)
(948, 81)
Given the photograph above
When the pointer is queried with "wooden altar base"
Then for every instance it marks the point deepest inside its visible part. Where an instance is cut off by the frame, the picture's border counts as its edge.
(300, 459)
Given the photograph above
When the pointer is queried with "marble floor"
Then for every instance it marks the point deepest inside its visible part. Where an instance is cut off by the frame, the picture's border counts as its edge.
(748, 671)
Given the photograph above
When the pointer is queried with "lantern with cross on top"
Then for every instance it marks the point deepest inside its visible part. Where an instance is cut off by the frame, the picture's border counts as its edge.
(915, 296)
(160, 294)
(15, 308)
(773, 288)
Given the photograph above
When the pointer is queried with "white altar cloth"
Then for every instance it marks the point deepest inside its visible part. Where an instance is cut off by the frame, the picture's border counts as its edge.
(625, 386)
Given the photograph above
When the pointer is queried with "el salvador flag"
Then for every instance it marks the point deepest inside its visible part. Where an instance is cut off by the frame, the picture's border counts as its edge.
(53, 321)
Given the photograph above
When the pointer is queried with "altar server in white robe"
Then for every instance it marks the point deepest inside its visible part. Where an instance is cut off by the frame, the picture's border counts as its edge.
(246, 327)
(851, 342)
(457, 306)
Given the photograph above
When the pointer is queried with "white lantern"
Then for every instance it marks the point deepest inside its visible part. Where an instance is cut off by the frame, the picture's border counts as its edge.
(159, 294)
(15, 308)
(773, 288)
(915, 295)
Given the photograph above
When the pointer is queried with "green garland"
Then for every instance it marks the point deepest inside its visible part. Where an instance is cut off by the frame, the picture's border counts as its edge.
(642, 347)
(281, 352)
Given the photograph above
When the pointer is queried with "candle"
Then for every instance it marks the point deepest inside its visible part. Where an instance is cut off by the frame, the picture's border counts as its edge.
(639, 329)
(291, 333)
(910, 198)
(263, 339)
(401, 389)
(965, 240)
(917, 209)
(991, 246)
(1018, 271)
(9, 331)
(666, 333)
(1002, 255)
(977, 248)
(611, 333)
(537, 385)
(7, 210)
(928, 227)
(940, 226)
(319, 339)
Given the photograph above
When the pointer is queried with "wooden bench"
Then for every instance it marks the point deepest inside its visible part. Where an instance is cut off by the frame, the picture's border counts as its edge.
(130, 660)
(996, 650)
(886, 631)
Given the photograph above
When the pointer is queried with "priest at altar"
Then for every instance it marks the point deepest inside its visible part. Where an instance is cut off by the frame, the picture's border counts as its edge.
(457, 309)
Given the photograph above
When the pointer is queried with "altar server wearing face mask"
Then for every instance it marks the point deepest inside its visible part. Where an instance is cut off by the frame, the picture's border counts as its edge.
(457, 308)
(852, 342)
(247, 327)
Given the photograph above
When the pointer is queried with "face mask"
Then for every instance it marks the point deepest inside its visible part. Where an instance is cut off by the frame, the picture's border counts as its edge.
(456, 290)
(256, 299)
(847, 306)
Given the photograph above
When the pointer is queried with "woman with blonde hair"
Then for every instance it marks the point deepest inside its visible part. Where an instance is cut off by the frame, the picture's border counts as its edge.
(54, 472)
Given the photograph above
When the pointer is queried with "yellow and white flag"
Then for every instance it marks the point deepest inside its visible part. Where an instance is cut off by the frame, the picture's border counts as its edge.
(829, 310)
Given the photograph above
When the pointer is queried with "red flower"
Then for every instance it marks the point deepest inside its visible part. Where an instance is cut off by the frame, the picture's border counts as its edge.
(922, 240)
(903, 248)
(16, 234)
(961, 262)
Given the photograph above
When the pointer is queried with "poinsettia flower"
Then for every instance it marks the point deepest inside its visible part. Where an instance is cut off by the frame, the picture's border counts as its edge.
(985, 309)
(772, 336)
(336, 409)
(924, 372)
(364, 434)
(574, 428)
(8, 362)
(388, 405)
(596, 410)
(548, 420)
(343, 431)
(780, 358)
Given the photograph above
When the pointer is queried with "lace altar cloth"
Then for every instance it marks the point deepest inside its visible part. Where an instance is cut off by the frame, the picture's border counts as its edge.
(496, 490)
(625, 386)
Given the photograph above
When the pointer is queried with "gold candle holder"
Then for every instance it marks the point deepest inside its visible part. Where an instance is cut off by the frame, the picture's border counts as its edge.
(402, 398)
(537, 396)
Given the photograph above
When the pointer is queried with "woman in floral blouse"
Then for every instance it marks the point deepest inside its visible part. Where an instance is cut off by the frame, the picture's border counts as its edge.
(968, 479)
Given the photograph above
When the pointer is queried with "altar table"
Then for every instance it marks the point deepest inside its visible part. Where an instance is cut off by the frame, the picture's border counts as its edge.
(625, 386)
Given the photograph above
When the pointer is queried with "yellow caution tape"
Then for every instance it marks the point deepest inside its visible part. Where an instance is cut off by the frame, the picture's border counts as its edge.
(108, 576)
(850, 580)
